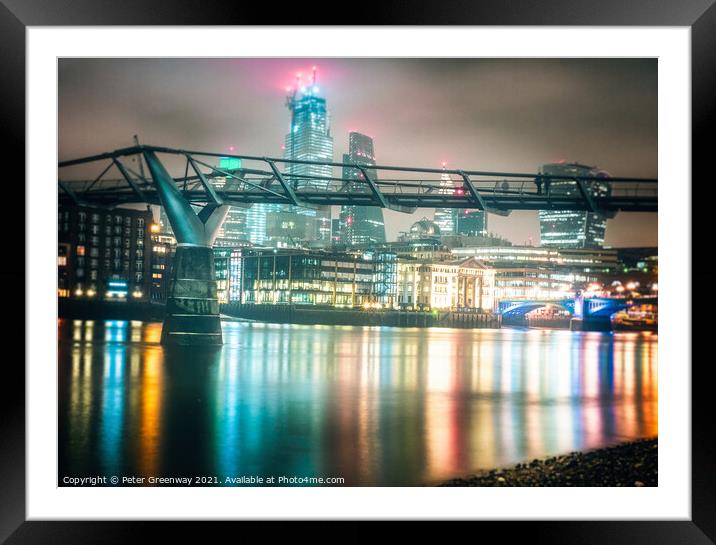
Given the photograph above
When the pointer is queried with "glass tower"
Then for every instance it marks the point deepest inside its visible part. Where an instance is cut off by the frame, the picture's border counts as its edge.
(235, 229)
(360, 224)
(573, 228)
(471, 222)
(309, 139)
(446, 218)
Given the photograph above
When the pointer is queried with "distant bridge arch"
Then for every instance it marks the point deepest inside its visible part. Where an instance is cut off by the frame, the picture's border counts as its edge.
(520, 307)
(591, 308)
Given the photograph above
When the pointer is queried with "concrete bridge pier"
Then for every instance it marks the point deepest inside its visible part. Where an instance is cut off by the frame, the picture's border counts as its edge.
(192, 312)
(590, 324)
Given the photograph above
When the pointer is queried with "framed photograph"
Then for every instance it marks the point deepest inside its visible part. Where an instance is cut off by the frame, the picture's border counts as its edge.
(359, 273)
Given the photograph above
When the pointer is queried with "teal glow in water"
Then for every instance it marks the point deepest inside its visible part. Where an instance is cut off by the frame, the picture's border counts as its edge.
(372, 405)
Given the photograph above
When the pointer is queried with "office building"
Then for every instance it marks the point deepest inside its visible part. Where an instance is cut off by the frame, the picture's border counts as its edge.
(237, 227)
(104, 253)
(641, 259)
(228, 267)
(385, 276)
(360, 224)
(311, 277)
(471, 222)
(336, 231)
(287, 229)
(538, 283)
(222, 257)
(445, 284)
(309, 139)
(446, 218)
(572, 228)
(163, 248)
(585, 264)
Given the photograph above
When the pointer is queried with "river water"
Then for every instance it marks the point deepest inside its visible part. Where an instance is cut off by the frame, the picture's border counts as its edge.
(369, 405)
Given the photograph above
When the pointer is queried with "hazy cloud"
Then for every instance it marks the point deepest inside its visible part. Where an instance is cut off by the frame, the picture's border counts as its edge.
(490, 114)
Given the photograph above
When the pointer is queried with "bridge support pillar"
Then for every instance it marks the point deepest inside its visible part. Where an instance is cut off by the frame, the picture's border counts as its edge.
(192, 313)
(590, 324)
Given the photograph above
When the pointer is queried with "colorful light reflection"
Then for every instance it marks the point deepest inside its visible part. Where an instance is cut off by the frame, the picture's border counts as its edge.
(378, 406)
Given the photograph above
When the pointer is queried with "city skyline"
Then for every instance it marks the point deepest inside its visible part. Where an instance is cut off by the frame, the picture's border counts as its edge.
(492, 114)
(248, 332)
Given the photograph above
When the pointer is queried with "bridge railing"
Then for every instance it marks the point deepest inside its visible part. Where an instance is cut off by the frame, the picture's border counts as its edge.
(119, 177)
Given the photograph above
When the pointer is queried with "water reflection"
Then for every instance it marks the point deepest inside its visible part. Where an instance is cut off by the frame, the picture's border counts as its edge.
(377, 406)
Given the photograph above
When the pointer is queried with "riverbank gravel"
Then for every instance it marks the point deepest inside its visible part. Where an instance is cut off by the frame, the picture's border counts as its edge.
(627, 464)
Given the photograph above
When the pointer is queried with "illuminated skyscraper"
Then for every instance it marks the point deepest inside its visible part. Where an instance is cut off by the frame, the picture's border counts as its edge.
(471, 222)
(236, 229)
(573, 228)
(309, 139)
(360, 224)
(446, 218)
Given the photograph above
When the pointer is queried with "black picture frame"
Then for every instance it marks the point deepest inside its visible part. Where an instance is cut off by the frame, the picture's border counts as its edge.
(16, 15)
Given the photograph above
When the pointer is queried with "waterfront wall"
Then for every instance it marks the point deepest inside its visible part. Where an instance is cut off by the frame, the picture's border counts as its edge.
(312, 315)
(551, 323)
(287, 314)
(99, 309)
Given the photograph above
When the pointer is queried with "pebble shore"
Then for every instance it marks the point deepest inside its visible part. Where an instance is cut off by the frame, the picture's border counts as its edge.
(627, 464)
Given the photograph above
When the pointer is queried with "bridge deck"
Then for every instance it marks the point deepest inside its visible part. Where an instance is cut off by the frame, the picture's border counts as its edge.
(113, 182)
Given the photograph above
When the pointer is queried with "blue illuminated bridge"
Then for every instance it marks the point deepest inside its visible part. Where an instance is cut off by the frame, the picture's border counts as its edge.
(184, 183)
(593, 310)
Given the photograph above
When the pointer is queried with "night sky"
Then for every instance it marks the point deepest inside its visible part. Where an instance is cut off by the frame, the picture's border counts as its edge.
(474, 114)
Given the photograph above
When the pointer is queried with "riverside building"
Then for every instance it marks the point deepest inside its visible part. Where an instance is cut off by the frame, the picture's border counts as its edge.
(104, 254)
(453, 284)
(306, 277)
